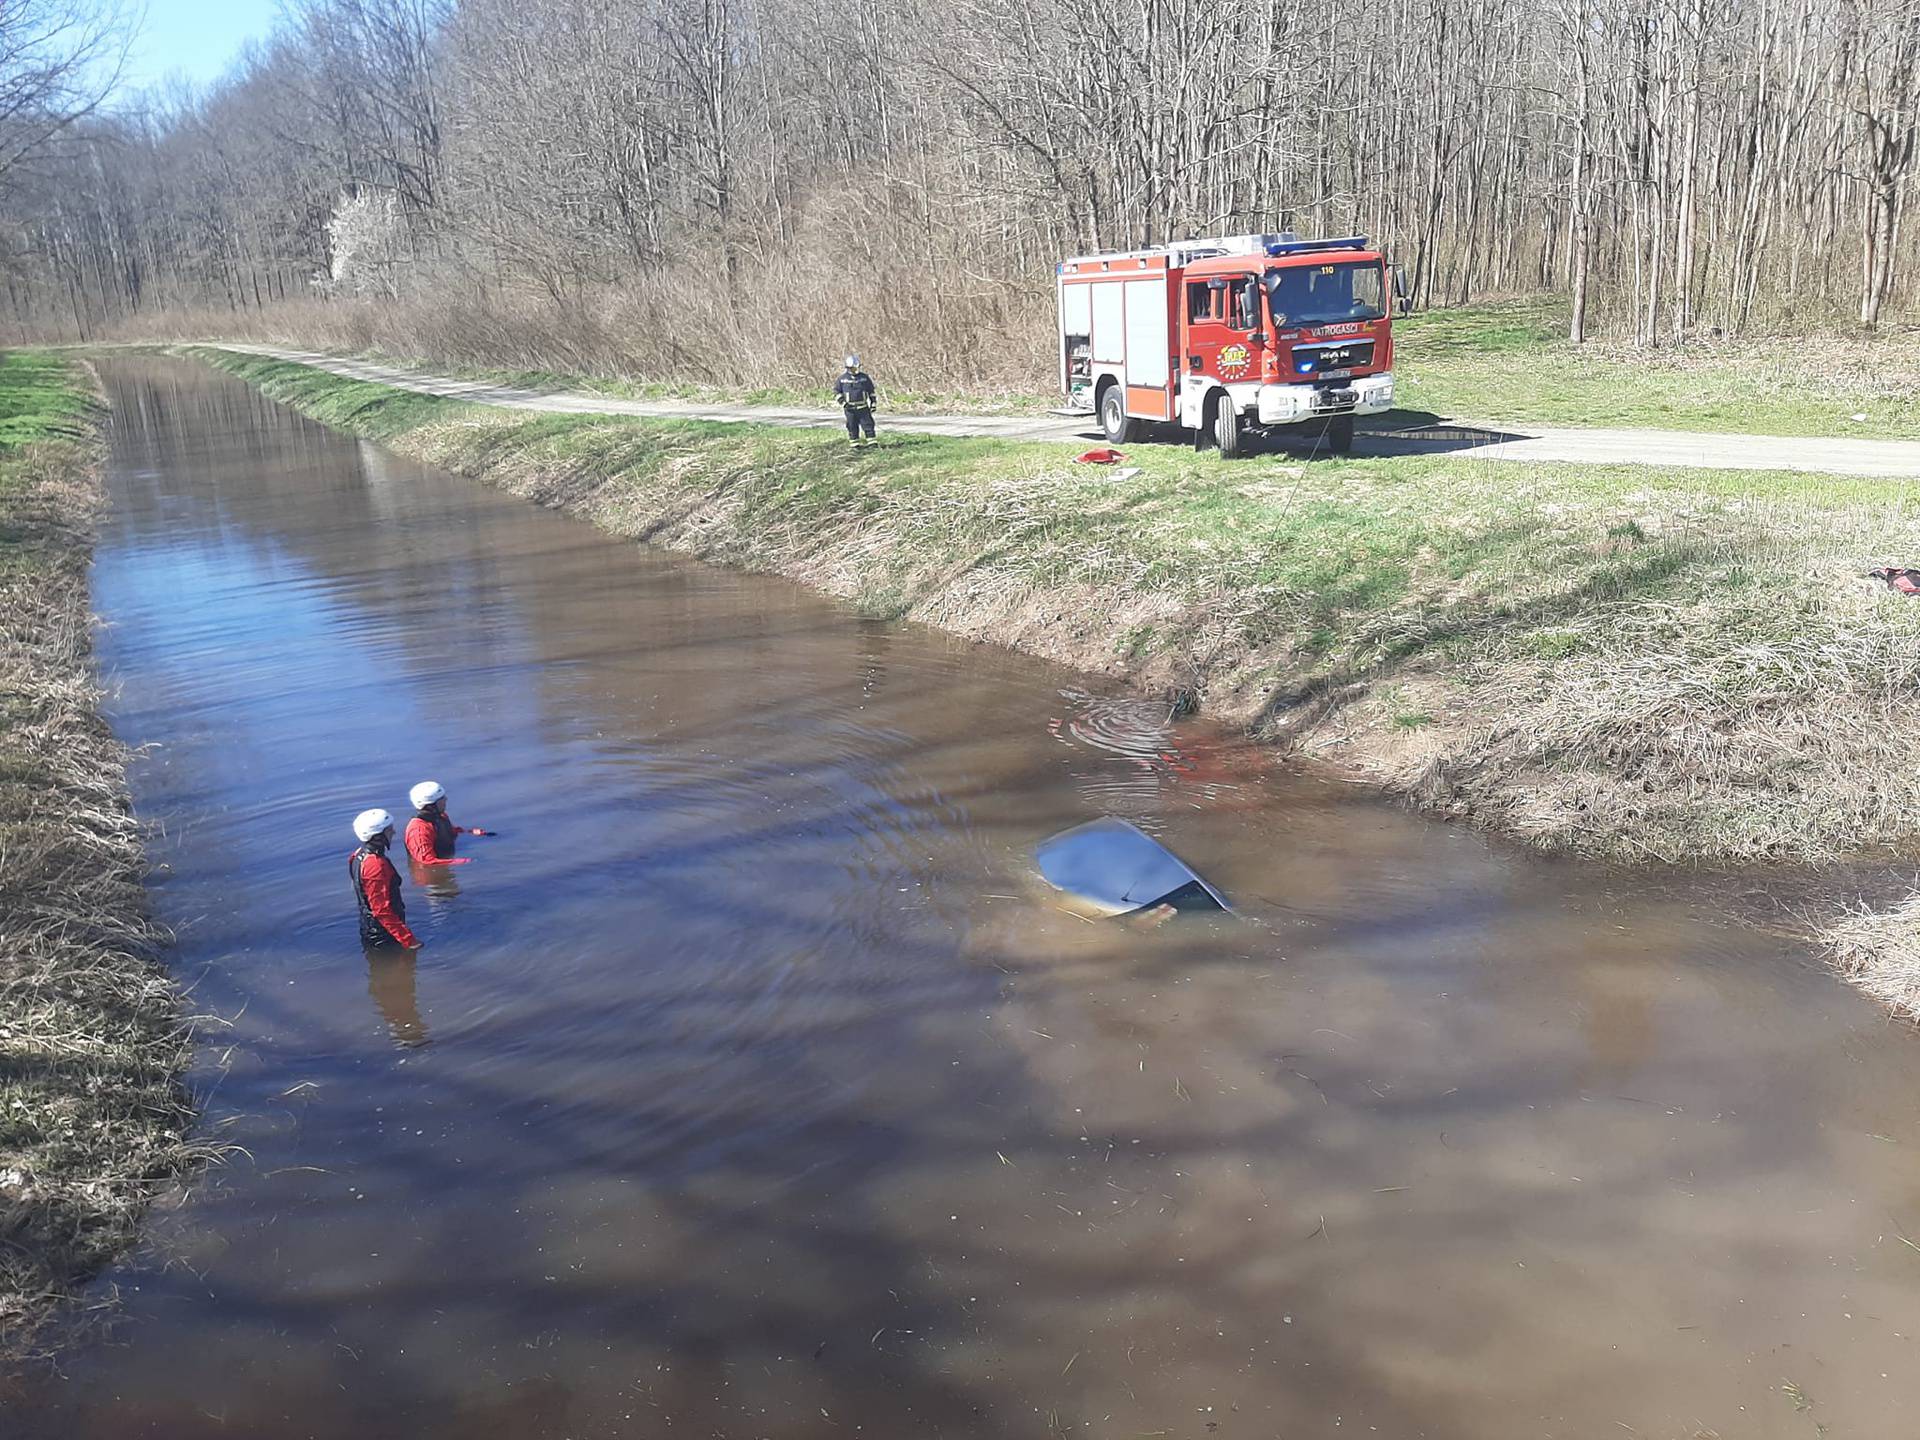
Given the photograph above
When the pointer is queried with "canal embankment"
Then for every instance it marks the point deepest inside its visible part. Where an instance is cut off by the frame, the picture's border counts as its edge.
(751, 1050)
(94, 1119)
(1624, 662)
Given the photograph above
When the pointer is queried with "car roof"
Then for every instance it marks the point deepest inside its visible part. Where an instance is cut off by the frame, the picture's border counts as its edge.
(1116, 867)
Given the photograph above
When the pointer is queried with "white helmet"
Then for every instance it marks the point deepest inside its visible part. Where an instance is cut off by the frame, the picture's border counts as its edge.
(369, 823)
(425, 793)
(853, 362)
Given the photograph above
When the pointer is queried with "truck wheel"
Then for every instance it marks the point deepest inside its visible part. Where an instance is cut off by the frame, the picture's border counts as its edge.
(1114, 419)
(1226, 430)
(1340, 434)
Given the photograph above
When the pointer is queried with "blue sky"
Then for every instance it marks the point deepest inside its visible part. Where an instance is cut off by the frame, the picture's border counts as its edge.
(197, 38)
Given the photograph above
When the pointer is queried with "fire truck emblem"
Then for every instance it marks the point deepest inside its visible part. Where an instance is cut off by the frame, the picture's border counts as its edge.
(1235, 361)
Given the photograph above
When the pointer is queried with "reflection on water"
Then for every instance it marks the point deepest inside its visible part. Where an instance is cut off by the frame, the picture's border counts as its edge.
(438, 884)
(392, 981)
(768, 1095)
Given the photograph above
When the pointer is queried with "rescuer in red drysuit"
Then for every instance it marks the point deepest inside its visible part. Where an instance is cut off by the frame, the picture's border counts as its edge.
(430, 834)
(376, 884)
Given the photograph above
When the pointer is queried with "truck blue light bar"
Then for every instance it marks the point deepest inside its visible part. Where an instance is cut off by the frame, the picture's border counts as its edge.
(1302, 247)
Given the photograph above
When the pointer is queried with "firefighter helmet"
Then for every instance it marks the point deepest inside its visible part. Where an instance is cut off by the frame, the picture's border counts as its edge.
(853, 362)
(425, 793)
(369, 823)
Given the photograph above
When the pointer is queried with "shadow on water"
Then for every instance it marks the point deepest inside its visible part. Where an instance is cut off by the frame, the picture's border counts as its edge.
(750, 1084)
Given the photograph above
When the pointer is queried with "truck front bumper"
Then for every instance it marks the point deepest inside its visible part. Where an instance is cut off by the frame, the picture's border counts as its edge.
(1296, 404)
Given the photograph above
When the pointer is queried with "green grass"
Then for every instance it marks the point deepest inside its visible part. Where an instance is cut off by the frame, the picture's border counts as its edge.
(1511, 363)
(1524, 326)
(40, 399)
(376, 411)
(45, 410)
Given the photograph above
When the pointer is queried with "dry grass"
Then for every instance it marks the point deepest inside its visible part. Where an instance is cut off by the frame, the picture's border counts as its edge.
(93, 1117)
(1755, 718)
(1879, 950)
(794, 316)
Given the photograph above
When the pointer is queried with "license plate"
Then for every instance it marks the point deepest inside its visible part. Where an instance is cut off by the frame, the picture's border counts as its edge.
(1334, 375)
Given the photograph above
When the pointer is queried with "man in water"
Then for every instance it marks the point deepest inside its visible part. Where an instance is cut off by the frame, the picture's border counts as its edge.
(430, 834)
(857, 395)
(376, 884)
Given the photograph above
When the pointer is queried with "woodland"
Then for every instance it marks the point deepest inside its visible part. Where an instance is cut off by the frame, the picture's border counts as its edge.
(722, 190)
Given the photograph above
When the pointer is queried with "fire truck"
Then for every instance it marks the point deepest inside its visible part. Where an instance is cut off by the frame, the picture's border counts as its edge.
(1230, 337)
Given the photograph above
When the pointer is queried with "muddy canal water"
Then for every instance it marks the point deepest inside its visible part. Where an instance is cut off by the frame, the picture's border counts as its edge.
(748, 1087)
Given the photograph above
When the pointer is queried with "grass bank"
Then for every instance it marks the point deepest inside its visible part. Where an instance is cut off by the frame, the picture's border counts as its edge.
(1503, 362)
(93, 1118)
(1511, 362)
(1627, 663)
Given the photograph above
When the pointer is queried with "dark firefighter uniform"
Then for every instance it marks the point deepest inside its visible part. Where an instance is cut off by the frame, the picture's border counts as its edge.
(376, 889)
(857, 393)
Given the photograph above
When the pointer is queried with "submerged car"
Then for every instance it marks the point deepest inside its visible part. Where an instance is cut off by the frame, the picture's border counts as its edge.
(1116, 868)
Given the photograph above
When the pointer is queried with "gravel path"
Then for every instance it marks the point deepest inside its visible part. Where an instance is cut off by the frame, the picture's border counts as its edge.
(1483, 442)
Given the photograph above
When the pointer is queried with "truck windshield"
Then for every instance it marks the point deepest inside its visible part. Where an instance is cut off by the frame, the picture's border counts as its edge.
(1323, 294)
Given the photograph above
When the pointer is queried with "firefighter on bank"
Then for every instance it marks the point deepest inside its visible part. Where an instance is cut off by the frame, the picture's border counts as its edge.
(430, 834)
(376, 884)
(857, 395)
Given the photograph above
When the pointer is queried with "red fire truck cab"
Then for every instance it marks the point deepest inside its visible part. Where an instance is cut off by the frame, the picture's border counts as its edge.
(1230, 337)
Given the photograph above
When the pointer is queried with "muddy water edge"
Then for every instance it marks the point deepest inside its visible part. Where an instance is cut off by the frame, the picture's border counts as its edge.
(748, 1087)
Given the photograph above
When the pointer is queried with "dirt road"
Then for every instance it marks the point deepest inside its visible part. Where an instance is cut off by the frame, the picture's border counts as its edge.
(1390, 436)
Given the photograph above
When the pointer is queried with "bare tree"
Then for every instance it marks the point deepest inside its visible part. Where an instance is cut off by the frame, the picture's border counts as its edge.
(59, 61)
(732, 188)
